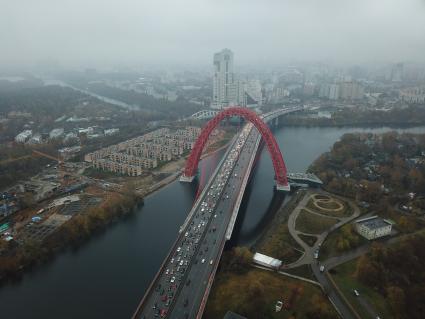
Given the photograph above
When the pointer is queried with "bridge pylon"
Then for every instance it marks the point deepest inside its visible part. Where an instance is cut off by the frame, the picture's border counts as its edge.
(186, 179)
(283, 188)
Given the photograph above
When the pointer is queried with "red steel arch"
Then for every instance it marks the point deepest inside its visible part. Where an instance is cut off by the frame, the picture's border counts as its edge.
(272, 146)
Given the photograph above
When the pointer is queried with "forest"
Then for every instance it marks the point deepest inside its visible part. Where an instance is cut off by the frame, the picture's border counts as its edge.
(409, 116)
(397, 271)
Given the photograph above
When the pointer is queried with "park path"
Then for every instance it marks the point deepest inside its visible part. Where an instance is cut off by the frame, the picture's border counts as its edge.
(308, 256)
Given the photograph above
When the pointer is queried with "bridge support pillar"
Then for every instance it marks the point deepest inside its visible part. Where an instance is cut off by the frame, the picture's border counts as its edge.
(186, 179)
(283, 188)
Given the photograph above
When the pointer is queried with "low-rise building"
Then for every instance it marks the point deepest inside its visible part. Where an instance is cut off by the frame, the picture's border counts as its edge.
(267, 261)
(111, 131)
(373, 227)
(23, 136)
(56, 133)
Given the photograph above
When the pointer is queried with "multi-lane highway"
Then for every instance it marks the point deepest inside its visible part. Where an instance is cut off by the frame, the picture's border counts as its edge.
(182, 285)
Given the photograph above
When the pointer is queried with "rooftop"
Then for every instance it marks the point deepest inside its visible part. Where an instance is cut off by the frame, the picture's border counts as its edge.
(373, 222)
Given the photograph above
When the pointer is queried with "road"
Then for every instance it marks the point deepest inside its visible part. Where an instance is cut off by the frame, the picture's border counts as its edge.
(181, 287)
(309, 254)
(179, 291)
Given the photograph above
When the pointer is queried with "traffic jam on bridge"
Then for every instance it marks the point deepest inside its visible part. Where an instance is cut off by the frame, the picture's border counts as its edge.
(181, 287)
(194, 244)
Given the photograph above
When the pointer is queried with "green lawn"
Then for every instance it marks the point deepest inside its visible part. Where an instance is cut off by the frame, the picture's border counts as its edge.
(347, 282)
(309, 240)
(330, 246)
(302, 271)
(346, 212)
(313, 224)
(280, 245)
(254, 294)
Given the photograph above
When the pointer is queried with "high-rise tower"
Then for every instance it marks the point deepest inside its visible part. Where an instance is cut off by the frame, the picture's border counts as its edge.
(223, 81)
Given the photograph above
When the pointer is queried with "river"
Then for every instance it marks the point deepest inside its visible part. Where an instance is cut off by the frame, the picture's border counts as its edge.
(106, 277)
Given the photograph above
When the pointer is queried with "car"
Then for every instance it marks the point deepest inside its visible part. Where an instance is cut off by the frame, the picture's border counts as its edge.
(163, 313)
(167, 271)
(173, 279)
(322, 268)
(178, 249)
(164, 298)
(203, 260)
(356, 292)
(211, 262)
(316, 254)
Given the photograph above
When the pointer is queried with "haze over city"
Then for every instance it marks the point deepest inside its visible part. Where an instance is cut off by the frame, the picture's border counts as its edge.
(106, 33)
(212, 159)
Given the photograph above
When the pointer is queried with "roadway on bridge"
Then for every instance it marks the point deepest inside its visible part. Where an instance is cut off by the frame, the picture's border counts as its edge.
(182, 285)
(180, 288)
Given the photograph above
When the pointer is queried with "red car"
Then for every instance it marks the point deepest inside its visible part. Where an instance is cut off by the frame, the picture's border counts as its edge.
(163, 313)
(164, 298)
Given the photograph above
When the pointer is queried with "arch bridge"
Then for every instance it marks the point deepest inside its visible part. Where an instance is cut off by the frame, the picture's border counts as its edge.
(204, 114)
(249, 115)
(181, 287)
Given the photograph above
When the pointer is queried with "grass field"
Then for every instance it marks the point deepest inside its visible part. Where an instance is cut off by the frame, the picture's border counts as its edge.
(345, 212)
(254, 294)
(347, 282)
(309, 240)
(303, 271)
(280, 245)
(313, 224)
(330, 245)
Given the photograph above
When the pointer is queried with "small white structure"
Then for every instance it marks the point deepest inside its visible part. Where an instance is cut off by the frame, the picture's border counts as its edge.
(111, 131)
(279, 305)
(23, 136)
(56, 133)
(373, 227)
(267, 261)
(64, 200)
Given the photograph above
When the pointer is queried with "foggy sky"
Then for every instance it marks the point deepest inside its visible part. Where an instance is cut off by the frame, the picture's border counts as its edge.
(106, 32)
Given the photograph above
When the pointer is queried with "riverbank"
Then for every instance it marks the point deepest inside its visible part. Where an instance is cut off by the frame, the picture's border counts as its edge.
(15, 260)
(179, 170)
(127, 256)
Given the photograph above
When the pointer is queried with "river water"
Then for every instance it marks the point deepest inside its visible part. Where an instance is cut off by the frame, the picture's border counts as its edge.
(107, 276)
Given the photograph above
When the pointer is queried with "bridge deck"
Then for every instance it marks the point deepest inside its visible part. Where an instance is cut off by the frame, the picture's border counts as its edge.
(181, 287)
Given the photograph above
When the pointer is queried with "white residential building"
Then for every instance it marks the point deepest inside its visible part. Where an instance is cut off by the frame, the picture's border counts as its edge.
(373, 227)
(56, 133)
(23, 136)
(415, 95)
(223, 79)
(111, 131)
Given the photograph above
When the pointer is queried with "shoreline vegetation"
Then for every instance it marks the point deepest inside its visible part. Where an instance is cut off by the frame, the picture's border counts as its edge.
(385, 174)
(78, 230)
(408, 117)
(71, 235)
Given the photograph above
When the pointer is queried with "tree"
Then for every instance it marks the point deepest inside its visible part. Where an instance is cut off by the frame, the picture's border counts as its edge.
(367, 272)
(396, 299)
